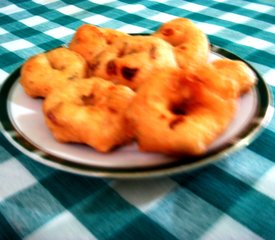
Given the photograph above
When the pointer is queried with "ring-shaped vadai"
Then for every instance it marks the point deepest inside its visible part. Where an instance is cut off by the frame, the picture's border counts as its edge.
(181, 115)
(227, 78)
(236, 71)
(90, 40)
(191, 45)
(89, 111)
(46, 71)
(213, 78)
(133, 60)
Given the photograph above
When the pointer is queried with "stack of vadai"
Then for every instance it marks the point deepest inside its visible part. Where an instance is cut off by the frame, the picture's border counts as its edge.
(159, 90)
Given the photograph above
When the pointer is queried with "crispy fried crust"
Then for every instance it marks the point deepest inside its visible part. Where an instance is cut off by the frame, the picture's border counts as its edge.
(133, 60)
(56, 68)
(90, 40)
(238, 72)
(191, 46)
(183, 115)
(89, 111)
(158, 89)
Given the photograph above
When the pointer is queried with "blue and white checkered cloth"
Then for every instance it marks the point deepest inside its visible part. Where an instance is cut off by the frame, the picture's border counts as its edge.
(232, 199)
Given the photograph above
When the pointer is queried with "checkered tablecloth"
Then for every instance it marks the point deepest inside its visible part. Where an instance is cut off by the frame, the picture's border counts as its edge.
(232, 199)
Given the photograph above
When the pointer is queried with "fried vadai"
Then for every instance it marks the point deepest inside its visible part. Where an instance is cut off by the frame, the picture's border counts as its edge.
(159, 89)
(90, 40)
(90, 111)
(237, 71)
(46, 71)
(133, 60)
(191, 45)
(180, 116)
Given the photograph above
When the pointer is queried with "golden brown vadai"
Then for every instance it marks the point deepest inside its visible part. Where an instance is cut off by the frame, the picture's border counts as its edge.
(90, 111)
(90, 40)
(132, 60)
(182, 115)
(237, 71)
(46, 71)
(182, 102)
(191, 44)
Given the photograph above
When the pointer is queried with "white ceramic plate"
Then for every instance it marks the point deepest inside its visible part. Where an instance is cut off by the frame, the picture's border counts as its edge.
(23, 126)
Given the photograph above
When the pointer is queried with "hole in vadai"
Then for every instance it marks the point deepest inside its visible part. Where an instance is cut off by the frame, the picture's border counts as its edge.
(129, 73)
(178, 108)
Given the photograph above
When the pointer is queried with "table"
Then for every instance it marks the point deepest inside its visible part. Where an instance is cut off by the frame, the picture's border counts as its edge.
(231, 199)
